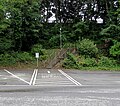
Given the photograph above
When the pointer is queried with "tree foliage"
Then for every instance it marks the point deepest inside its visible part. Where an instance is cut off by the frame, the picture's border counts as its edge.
(115, 50)
(20, 23)
(112, 31)
(87, 47)
(25, 23)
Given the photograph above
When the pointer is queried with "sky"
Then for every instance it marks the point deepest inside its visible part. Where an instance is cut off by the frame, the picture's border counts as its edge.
(52, 18)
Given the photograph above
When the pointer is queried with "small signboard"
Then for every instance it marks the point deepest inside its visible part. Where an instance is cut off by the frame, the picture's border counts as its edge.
(37, 55)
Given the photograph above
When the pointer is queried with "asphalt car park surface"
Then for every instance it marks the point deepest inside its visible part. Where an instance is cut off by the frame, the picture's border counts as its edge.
(56, 87)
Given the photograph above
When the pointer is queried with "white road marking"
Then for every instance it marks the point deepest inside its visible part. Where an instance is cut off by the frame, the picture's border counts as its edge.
(37, 85)
(5, 78)
(48, 72)
(70, 78)
(32, 77)
(103, 98)
(16, 76)
(35, 76)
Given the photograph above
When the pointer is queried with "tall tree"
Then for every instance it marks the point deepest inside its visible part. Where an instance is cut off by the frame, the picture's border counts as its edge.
(24, 24)
(5, 41)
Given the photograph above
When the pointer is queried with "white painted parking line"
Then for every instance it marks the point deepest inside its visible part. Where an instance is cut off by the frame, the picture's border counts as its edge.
(32, 77)
(16, 76)
(70, 78)
(35, 77)
(42, 85)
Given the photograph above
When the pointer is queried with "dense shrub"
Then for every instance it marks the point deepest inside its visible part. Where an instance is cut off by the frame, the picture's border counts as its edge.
(115, 50)
(7, 59)
(15, 57)
(70, 61)
(73, 61)
(87, 47)
(24, 57)
(37, 48)
(87, 62)
(106, 62)
(5, 45)
(80, 62)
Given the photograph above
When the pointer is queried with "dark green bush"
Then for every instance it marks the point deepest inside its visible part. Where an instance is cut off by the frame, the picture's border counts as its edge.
(87, 62)
(5, 45)
(106, 62)
(24, 57)
(87, 47)
(15, 57)
(71, 61)
(115, 50)
(7, 59)
(37, 48)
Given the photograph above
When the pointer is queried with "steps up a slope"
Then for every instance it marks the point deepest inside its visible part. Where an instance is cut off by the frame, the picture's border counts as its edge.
(59, 56)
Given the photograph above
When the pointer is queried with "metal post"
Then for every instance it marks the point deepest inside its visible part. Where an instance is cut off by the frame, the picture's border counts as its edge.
(37, 63)
(60, 40)
(37, 57)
